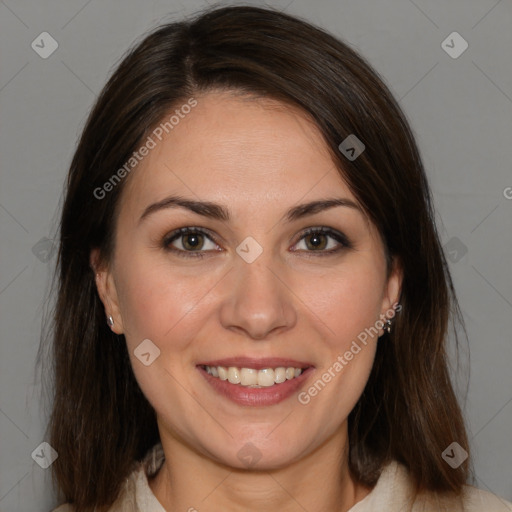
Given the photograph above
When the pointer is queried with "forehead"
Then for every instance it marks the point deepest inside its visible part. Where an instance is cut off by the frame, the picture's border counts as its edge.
(245, 152)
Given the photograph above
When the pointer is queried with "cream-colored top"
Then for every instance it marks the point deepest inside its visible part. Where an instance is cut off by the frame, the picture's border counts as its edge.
(390, 494)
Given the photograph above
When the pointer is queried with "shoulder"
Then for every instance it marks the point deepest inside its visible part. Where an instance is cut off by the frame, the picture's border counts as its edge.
(125, 502)
(471, 499)
(135, 494)
(64, 508)
(476, 500)
(395, 491)
(128, 499)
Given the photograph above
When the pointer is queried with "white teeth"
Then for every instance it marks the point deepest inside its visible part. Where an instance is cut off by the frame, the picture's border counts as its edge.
(234, 375)
(249, 377)
(266, 377)
(280, 375)
(253, 378)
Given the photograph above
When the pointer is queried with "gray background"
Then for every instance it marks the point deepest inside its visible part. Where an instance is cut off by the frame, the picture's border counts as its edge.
(460, 110)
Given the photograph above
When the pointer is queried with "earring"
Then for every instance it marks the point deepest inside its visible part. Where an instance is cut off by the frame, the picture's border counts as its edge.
(110, 321)
(387, 326)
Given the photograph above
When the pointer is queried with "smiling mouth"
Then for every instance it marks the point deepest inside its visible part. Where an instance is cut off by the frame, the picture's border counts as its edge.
(253, 378)
(256, 382)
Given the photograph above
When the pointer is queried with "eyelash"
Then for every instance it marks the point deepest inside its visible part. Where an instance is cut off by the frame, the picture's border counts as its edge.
(175, 235)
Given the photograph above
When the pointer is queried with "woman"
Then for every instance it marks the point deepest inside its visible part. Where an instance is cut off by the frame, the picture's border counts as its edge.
(253, 301)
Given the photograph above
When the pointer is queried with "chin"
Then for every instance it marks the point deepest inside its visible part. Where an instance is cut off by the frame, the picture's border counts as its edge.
(262, 452)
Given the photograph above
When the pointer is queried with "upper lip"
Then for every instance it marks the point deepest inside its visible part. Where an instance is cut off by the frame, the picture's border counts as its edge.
(256, 363)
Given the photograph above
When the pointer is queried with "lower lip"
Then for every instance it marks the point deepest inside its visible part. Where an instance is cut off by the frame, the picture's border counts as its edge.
(244, 395)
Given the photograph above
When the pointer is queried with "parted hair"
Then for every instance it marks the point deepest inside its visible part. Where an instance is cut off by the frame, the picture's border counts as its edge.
(101, 424)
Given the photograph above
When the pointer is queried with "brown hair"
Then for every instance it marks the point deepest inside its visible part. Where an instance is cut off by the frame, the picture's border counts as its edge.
(101, 423)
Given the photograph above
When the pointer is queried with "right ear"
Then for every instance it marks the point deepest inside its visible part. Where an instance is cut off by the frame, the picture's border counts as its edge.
(106, 290)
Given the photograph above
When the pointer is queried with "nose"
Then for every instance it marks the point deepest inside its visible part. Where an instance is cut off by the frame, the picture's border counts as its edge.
(258, 301)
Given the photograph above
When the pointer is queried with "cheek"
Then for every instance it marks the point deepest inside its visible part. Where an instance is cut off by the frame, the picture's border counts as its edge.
(338, 383)
(156, 302)
(349, 302)
(159, 304)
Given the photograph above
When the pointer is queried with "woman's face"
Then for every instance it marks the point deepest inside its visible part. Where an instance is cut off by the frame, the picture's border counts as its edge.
(248, 289)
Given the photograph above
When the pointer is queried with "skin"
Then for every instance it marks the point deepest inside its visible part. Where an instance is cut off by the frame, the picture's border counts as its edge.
(258, 158)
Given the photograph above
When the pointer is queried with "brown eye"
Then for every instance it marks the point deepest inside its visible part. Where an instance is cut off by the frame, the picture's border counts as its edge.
(324, 241)
(316, 241)
(192, 241)
(189, 242)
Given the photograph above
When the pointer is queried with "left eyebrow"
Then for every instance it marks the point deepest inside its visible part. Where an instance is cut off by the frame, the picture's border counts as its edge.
(219, 212)
(298, 212)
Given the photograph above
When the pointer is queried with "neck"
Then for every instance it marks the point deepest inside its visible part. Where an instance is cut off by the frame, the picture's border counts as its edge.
(316, 482)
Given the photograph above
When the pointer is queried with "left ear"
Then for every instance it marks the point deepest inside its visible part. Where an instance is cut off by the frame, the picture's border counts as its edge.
(392, 291)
